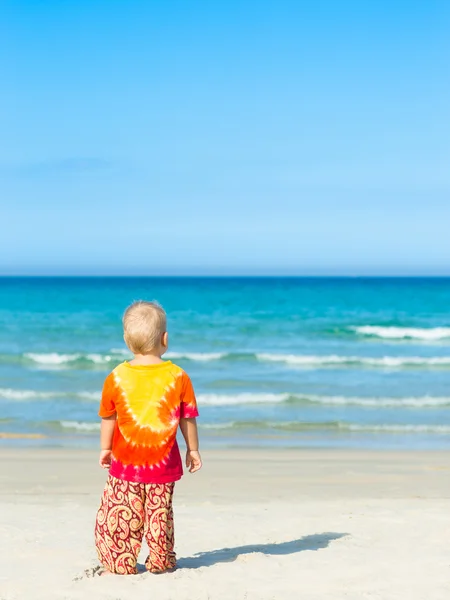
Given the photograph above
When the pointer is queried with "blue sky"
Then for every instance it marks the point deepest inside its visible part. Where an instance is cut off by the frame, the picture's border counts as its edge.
(287, 137)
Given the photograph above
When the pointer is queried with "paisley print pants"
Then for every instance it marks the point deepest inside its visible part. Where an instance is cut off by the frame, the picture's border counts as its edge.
(127, 512)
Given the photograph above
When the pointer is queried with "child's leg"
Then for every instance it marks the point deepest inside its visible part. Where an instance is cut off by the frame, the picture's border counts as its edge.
(119, 526)
(159, 527)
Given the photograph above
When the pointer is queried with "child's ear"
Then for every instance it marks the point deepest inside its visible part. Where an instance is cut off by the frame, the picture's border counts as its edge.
(165, 339)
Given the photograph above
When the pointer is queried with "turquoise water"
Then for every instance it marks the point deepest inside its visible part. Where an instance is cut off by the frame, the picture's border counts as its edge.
(275, 361)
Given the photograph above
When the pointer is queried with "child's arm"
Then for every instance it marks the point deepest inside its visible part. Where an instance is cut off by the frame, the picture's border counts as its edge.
(189, 430)
(106, 438)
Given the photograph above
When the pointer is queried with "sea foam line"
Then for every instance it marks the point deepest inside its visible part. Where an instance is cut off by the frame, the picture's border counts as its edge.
(324, 425)
(443, 429)
(264, 398)
(13, 394)
(197, 356)
(335, 359)
(419, 333)
(292, 426)
(60, 359)
(241, 399)
(80, 425)
(392, 402)
(51, 358)
(249, 398)
(56, 359)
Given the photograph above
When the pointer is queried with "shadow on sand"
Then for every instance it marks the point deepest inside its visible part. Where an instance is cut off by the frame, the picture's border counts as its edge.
(213, 557)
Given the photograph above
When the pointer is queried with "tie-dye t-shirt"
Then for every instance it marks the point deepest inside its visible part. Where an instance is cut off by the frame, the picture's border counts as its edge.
(149, 401)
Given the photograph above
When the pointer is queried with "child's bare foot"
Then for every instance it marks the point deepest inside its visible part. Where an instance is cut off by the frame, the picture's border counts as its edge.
(169, 570)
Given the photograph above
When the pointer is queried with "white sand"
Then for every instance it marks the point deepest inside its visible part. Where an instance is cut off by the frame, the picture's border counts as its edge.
(252, 525)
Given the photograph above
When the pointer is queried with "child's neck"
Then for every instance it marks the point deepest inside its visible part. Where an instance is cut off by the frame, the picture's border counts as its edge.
(146, 359)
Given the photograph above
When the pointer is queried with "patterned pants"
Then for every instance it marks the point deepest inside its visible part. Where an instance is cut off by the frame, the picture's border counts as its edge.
(127, 511)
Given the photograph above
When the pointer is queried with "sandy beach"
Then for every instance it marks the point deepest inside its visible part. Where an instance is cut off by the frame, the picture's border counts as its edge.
(251, 525)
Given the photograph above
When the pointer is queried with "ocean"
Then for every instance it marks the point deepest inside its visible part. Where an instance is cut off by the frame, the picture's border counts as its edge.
(291, 362)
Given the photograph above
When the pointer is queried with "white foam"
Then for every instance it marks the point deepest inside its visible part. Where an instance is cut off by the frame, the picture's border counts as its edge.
(255, 398)
(300, 359)
(298, 426)
(80, 426)
(11, 394)
(334, 359)
(121, 351)
(100, 358)
(90, 395)
(199, 356)
(245, 398)
(436, 333)
(404, 361)
(416, 402)
(264, 398)
(226, 425)
(445, 429)
(52, 358)
(57, 359)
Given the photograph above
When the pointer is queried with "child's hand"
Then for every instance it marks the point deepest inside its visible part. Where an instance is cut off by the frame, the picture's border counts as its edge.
(193, 460)
(105, 459)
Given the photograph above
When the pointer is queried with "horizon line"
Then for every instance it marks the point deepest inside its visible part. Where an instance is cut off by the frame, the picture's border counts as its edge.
(228, 276)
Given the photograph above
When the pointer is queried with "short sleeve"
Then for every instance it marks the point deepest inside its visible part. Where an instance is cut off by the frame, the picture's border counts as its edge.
(188, 405)
(108, 401)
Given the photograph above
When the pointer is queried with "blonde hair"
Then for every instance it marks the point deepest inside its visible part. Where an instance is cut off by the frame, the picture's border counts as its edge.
(143, 326)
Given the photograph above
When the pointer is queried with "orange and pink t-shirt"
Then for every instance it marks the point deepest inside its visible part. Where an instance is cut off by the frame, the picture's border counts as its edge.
(149, 401)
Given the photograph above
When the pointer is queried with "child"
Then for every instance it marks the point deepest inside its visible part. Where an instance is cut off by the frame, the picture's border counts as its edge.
(143, 403)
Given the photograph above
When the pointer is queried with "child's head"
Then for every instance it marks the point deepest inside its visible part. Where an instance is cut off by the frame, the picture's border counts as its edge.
(144, 328)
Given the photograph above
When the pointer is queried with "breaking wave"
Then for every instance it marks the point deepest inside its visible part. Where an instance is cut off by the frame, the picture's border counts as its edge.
(13, 394)
(418, 333)
(262, 398)
(339, 360)
(288, 426)
(251, 398)
(327, 426)
(80, 425)
(197, 356)
(107, 361)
